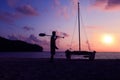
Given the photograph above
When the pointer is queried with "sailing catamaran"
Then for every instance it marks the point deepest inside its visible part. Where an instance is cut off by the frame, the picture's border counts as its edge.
(89, 54)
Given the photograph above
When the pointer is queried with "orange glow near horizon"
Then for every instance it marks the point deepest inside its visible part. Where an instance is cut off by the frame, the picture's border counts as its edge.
(108, 39)
(106, 42)
(100, 42)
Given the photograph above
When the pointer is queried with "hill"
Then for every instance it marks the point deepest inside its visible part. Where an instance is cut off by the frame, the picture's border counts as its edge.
(17, 45)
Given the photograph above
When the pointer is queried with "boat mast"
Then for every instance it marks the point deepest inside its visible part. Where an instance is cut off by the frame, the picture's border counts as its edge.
(79, 26)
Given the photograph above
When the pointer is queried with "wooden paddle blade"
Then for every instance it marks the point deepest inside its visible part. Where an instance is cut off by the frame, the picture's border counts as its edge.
(42, 34)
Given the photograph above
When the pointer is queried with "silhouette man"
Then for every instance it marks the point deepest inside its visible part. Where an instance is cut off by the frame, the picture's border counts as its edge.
(53, 45)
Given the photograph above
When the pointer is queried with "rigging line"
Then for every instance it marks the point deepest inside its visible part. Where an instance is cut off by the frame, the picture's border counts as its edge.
(85, 34)
(73, 31)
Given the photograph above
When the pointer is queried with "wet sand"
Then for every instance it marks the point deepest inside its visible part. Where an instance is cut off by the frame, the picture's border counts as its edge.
(60, 69)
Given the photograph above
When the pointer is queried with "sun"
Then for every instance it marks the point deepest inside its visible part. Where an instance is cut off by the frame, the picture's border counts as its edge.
(107, 39)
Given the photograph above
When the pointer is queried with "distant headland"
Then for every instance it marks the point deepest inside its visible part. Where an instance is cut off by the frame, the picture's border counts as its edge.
(17, 46)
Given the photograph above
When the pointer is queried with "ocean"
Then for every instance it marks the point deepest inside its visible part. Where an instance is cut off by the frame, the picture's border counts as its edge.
(99, 55)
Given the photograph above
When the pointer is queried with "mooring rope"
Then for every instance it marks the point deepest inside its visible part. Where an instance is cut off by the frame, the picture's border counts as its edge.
(73, 32)
(85, 34)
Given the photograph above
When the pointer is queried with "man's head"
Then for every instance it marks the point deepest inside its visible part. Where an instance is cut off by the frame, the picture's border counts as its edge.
(54, 33)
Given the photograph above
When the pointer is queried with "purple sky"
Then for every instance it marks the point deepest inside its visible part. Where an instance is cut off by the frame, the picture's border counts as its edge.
(25, 19)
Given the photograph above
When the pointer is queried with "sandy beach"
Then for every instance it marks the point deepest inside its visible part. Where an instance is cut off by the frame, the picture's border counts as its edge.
(60, 69)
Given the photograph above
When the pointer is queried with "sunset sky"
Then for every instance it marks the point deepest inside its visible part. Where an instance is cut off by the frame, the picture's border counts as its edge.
(100, 22)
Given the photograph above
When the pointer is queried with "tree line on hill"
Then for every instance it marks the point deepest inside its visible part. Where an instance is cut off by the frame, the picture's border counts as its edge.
(18, 46)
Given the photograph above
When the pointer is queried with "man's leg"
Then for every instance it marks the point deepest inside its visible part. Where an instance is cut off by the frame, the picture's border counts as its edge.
(52, 56)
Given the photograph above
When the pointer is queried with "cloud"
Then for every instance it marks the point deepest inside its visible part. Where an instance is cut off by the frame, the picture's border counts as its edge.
(12, 37)
(61, 10)
(27, 28)
(106, 5)
(34, 40)
(94, 27)
(75, 2)
(8, 17)
(27, 10)
(12, 3)
(45, 43)
(65, 34)
(74, 6)
(56, 2)
(62, 34)
(30, 39)
(17, 37)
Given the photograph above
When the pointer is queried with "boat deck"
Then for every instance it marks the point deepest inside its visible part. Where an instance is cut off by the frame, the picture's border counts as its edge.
(90, 55)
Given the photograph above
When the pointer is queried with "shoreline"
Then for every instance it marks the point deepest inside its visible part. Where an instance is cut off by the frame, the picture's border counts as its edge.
(55, 59)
